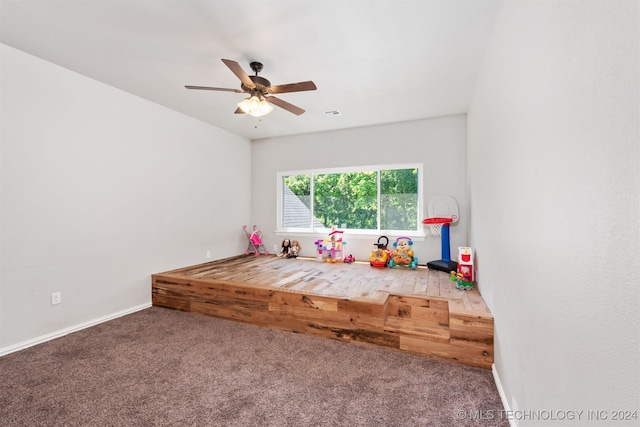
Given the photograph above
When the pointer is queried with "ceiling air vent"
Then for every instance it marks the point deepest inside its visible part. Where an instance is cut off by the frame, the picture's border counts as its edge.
(332, 113)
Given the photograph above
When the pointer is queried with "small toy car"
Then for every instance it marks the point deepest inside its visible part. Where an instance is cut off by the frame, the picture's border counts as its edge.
(380, 256)
(461, 282)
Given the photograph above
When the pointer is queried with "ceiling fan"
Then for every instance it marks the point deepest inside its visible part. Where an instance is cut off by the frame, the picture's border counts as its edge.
(259, 89)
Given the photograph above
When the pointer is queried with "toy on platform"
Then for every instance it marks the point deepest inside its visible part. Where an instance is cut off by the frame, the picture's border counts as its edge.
(403, 255)
(461, 283)
(320, 249)
(380, 256)
(255, 242)
(332, 248)
(285, 249)
(295, 249)
(440, 226)
(464, 276)
(465, 263)
(443, 211)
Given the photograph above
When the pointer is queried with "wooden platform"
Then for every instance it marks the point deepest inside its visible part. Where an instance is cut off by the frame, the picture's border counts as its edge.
(418, 311)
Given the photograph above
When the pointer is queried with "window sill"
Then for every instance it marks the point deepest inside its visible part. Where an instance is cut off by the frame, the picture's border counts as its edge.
(354, 234)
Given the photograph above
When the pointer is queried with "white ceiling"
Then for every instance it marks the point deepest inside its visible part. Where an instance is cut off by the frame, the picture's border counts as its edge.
(375, 62)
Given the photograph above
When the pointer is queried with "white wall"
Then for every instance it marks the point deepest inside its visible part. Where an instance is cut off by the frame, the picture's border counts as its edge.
(554, 196)
(100, 189)
(440, 144)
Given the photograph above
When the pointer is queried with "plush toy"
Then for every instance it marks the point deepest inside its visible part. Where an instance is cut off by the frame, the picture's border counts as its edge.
(403, 255)
(285, 250)
(295, 249)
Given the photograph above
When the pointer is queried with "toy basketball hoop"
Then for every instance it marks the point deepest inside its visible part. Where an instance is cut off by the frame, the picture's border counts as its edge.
(439, 226)
(435, 224)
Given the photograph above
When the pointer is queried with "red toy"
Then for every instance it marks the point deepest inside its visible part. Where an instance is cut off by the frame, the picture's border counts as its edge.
(465, 264)
(380, 256)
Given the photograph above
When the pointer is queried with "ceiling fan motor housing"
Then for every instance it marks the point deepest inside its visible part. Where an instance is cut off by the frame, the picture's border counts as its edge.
(260, 82)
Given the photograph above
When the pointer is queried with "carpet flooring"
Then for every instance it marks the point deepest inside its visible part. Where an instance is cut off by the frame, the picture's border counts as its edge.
(161, 367)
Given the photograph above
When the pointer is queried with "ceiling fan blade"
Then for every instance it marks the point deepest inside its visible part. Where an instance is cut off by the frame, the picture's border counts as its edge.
(214, 88)
(239, 72)
(284, 104)
(293, 87)
(238, 111)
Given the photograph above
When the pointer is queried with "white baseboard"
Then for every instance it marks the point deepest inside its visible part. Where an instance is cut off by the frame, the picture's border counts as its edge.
(503, 397)
(57, 334)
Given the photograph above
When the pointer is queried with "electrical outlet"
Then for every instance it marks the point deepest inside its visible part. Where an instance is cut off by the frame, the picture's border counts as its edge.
(56, 298)
(208, 254)
(275, 246)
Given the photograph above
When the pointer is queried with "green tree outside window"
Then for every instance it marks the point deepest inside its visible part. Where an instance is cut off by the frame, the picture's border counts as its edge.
(379, 199)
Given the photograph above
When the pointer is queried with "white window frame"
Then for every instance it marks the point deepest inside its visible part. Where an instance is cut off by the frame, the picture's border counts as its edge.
(418, 232)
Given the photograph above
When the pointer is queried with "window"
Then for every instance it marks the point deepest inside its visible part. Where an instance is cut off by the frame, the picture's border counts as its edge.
(365, 199)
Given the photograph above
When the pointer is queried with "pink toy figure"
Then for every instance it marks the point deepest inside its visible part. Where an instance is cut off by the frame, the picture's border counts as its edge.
(331, 249)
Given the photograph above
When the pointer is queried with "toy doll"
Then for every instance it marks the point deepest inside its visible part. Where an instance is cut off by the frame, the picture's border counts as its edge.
(286, 248)
(295, 249)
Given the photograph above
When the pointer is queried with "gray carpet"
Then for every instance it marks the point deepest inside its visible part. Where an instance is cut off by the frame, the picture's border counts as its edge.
(160, 367)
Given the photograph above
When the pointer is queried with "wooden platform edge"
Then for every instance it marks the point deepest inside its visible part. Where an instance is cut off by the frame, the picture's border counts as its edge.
(433, 327)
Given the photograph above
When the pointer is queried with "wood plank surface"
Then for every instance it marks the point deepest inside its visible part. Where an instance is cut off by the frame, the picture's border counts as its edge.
(418, 311)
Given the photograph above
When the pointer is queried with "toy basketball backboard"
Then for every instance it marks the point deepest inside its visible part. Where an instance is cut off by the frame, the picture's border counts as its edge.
(443, 207)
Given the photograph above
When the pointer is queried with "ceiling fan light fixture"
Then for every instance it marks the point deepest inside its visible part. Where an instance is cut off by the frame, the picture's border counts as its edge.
(255, 106)
(265, 107)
